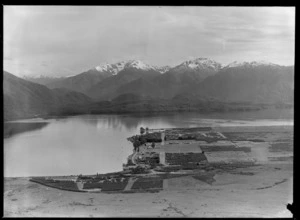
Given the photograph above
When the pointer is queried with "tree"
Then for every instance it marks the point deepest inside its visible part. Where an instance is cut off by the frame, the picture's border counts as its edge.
(142, 140)
(142, 130)
(136, 145)
(153, 145)
(147, 130)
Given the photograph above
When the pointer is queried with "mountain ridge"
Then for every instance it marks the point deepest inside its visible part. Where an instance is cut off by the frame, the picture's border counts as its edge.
(254, 81)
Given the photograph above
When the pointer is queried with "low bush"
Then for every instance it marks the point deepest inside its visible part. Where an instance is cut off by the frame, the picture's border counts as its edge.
(113, 185)
(148, 183)
(224, 148)
(183, 158)
(139, 170)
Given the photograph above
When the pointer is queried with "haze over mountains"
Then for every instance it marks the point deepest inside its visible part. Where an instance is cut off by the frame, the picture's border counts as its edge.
(192, 81)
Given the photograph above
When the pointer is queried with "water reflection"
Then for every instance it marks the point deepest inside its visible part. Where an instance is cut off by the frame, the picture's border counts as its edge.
(13, 128)
(163, 120)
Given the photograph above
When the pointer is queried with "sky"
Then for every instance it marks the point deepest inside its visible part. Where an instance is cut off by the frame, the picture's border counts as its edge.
(68, 40)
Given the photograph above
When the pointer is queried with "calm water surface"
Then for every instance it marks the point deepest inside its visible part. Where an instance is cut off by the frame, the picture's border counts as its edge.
(88, 144)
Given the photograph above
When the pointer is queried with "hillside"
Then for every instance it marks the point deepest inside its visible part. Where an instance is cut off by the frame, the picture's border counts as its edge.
(111, 87)
(133, 86)
(196, 69)
(257, 84)
(237, 82)
(24, 99)
(27, 99)
(131, 103)
(81, 82)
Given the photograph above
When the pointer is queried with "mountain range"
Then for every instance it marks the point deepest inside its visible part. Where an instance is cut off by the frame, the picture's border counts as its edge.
(84, 81)
(107, 81)
(133, 81)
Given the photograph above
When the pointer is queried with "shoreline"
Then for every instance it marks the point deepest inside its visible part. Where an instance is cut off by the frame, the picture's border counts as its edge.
(204, 111)
(232, 175)
(135, 164)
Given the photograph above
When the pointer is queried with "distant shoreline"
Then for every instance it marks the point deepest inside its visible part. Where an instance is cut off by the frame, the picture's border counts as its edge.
(90, 110)
(12, 128)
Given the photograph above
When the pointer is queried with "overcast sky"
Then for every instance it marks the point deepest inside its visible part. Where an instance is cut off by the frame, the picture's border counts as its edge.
(67, 40)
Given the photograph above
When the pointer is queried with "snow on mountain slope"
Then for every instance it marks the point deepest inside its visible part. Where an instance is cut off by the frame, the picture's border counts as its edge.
(103, 67)
(138, 65)
(162, 69)
(250, 64)
(111, 68)
(193, 66)
(117, 67)
(199, 64)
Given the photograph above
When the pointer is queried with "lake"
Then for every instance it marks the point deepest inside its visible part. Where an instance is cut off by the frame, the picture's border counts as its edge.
(90, 144)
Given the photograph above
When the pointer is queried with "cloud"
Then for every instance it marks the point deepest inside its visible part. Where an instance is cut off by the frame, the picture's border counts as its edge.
(79, 38)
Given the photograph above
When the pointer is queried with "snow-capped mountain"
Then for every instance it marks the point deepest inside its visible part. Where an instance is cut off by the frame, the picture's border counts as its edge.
(199, 64)
(104, 67)
(250, 64)
(163, 69)
(137, 64)
(111, 68)
(115, 68)
(253, 81)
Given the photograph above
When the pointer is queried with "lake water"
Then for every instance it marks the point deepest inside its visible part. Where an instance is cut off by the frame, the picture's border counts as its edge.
(90, 144)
